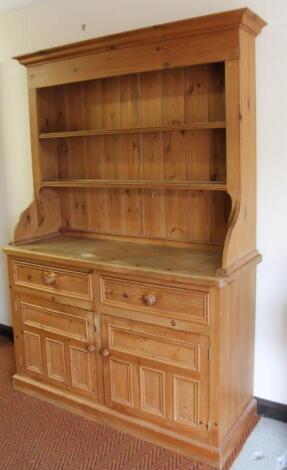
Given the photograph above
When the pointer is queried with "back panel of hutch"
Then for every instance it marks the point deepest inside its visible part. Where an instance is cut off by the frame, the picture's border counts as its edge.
(133, 271)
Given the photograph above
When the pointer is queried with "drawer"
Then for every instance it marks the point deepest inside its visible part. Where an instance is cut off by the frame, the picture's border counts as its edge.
(186, 304)
(53, 280)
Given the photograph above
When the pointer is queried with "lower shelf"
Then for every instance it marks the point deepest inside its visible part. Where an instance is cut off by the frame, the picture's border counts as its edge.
(137, 184)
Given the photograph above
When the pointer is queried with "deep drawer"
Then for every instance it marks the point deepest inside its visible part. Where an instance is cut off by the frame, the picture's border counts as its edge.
(187, 304)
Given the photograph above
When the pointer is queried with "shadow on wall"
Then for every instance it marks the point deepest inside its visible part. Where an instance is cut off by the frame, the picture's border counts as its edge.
(4, 222)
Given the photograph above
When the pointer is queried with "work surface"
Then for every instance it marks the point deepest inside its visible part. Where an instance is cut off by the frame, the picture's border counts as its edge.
(139, 257)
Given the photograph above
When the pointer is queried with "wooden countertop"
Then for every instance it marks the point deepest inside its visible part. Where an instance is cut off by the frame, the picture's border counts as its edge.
(137, 258)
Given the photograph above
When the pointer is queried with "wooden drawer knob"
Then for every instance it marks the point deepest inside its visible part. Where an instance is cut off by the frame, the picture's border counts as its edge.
(91, 348)
(149, 299)
(104, 353)
(49, 278)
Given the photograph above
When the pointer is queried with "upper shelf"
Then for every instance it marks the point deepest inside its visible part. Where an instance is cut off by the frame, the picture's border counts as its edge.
(136, 184)
(133, 130)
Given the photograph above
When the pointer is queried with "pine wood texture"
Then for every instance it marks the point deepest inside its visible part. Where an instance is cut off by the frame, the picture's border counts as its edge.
(132, 273)
(241, 179)
(118, 255)
(57, 345)
(41, 218)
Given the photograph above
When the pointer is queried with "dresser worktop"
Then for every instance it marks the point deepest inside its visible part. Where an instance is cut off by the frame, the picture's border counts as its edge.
(112, 255)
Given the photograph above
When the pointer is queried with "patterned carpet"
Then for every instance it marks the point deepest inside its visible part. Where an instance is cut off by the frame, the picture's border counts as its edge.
(37, 436)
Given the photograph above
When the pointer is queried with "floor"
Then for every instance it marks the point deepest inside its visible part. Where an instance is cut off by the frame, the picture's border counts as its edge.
(265, 445)
(35, 435)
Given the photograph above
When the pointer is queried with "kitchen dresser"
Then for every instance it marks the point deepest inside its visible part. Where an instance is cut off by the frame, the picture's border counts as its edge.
(132, 273)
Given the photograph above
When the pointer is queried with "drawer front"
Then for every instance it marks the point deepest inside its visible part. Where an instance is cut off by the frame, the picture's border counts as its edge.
(187, 304)
(49, 279)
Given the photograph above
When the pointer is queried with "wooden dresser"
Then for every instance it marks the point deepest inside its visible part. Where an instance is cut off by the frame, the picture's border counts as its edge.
(132, 273)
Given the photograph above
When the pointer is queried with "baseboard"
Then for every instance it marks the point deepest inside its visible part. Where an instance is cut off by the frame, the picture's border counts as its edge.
(6, 331)
(271, 409)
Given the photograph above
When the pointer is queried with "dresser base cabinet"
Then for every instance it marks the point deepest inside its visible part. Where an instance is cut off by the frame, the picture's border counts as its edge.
(181, 380)
(133, 271)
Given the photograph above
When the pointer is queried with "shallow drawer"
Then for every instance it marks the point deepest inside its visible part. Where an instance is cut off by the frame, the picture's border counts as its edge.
(187, 304)
(61, 281)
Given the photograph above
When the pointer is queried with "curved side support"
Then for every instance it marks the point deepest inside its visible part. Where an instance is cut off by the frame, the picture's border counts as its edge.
(239, 247)
(233, 220)
(41, 218)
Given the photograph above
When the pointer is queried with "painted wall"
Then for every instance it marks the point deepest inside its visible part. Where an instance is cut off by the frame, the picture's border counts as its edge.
(55, 22)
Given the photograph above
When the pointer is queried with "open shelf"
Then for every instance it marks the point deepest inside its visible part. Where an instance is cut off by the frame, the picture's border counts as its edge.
(132, 130)
(138, 155)
(136, 184)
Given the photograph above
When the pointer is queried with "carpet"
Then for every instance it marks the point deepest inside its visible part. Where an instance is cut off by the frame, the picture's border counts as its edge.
(35, 435)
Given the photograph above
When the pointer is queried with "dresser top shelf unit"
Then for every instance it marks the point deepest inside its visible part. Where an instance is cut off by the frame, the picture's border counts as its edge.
(146, 134)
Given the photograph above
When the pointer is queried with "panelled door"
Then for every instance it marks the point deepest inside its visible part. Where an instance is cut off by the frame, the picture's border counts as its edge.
(156, 374)
(58, 345)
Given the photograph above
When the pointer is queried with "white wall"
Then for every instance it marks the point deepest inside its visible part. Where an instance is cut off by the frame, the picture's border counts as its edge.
(55, 22)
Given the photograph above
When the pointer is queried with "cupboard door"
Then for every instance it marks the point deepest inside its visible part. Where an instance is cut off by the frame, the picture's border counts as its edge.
(58, 347)
(156, 374)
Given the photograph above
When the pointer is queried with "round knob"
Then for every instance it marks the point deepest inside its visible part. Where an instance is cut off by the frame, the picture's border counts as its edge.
(49, 278)
(149, 299)
(91, 348)
(173, 322)
(104, 353)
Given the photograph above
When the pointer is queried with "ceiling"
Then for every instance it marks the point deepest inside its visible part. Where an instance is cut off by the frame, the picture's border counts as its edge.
(9, 5)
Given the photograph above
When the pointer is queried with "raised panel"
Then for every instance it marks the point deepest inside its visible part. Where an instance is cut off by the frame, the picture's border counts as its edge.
(152, 391)
(80, 368)
(55, 360)
(186, 401)
(167, 350)
(121, 382)
(54, 321)
(33, 355)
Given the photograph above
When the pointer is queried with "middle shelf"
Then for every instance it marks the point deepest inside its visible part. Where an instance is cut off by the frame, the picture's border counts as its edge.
(133, 130)
(136, 184)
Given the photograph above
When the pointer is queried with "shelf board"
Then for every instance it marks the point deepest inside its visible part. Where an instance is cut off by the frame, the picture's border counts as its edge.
(136, 184)
(133, 130)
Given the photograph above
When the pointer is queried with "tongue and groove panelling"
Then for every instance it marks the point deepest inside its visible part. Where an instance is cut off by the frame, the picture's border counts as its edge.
(173, 97)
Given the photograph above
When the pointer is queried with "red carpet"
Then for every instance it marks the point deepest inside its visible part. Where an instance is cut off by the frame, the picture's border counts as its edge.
(37, 435)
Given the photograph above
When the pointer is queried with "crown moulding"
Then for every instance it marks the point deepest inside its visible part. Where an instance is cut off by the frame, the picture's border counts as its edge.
(235, 19)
